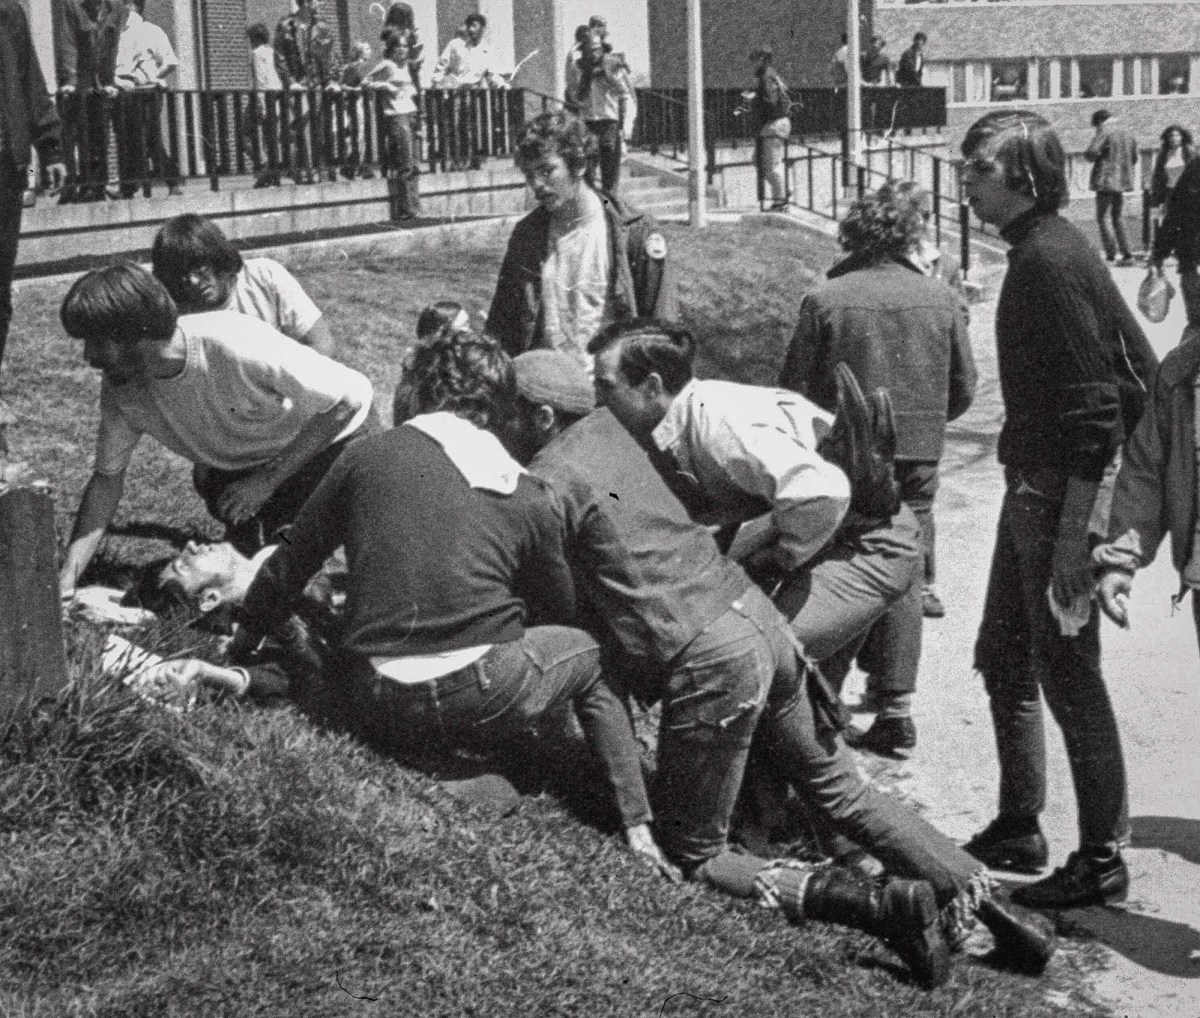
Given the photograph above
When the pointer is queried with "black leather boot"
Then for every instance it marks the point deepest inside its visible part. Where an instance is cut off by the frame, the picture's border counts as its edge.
(901, 913)
(1025, 941)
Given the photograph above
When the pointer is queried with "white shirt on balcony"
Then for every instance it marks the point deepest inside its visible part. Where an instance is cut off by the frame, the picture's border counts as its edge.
(462, 65)
(144, 54)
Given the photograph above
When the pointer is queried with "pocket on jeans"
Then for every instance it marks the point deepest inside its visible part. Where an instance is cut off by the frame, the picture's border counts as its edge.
(720, 696)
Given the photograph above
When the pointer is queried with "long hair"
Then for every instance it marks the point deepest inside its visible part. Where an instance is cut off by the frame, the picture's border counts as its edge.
(1186, 149)
(121, 302)
(463, 374)
(889, 221)
(190, 242)
(1028, 152)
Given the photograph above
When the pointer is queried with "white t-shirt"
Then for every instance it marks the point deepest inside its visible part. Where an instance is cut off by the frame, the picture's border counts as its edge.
(462, 65)
(264, 76)
(575, 279)
(144, 53)
(264, 289)
(244, 394)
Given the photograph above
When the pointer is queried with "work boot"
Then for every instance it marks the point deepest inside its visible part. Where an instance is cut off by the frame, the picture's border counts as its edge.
(1025, 941)
(1084, 880)
(901, 913)
(1011, 843)
(891, 737)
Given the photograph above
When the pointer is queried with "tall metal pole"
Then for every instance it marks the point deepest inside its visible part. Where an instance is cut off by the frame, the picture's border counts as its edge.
(697, 214)
(854, 83)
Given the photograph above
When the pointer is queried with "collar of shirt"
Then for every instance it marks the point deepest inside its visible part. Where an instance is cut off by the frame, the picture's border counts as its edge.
(477, 454)
(667, 434)
(1023, 226)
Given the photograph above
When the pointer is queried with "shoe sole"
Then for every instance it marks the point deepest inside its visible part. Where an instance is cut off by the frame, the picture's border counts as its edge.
(926, 913)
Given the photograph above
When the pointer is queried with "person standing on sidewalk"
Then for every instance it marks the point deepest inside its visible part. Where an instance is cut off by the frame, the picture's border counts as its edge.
(605, 99)
(392, 78)
(771, 107)
(898, 330)
(1057, 323)
(28, 120)
(1113, 155)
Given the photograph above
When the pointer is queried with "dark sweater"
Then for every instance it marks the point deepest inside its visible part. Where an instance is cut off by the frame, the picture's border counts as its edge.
(1057, 323)
(433, 564)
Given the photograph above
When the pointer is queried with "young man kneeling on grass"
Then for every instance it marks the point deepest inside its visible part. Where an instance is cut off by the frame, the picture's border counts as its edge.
(691, 630)
(262, 416)
(446, 582)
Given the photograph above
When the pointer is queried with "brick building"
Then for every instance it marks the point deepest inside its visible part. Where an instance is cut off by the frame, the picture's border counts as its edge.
(1140, 59)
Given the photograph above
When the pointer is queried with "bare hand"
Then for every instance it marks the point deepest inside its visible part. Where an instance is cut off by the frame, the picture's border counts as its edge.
(242, 499)
(173, 684)
(641, 841)
(1113, 591)
(66, 90)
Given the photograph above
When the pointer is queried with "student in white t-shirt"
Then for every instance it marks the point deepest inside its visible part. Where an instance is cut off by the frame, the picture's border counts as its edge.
(203, 271)
(260, 417)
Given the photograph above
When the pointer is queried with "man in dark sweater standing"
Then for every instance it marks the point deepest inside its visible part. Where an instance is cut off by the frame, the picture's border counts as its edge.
(1060, 331)
(27, 118)
(445, 574)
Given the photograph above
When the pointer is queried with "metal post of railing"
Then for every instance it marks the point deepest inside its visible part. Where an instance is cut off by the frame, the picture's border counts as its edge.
(812, 204)
(860, 180)
(937, 200)
(833, 182)
(1147, 237)
(964, 238)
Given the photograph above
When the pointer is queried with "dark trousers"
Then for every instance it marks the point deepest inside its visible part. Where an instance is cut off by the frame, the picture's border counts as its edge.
(85, 123)
(891, 653)
(141, 154)
(834, 600)
(1110, 206)
(402, 169)
(278, 511)
(503, 696)
(262, 132)
(608, 135)
(742, 671)
(1196, 613)
(12, 186)
(1022, 655)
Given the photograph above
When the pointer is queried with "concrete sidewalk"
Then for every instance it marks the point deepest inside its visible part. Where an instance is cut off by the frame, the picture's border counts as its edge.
(1151, 944)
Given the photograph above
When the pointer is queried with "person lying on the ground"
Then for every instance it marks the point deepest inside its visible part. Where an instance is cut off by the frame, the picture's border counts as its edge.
(689, 629)
(448, 581)
(203, 271)
(1156, 490)
(262, 417)
(580, 259)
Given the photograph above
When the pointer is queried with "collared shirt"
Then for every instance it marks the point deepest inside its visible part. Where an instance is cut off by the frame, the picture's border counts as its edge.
(750, 450)
(263, 75)
(575, 275)
(144, 53)
(462, 64)
(653, 577)
(477, 454)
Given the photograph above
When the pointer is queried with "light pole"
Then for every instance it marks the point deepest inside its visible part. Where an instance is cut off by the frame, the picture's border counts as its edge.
(697, 215)
(853, 84)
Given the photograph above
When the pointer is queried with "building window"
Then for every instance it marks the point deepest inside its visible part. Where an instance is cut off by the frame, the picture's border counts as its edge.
(1174, 74)
(1010, 81)
(1095, 77)
(958, 83)
(1147, 83)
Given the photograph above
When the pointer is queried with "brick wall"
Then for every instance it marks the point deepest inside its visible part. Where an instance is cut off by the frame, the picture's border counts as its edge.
(227, 61)
(803, 33)
(1036, 29)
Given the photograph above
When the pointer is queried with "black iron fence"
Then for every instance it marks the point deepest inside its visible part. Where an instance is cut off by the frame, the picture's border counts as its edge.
(137, 140)
(815, 112)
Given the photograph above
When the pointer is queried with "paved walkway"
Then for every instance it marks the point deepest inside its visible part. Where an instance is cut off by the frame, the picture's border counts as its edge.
(1151, 944)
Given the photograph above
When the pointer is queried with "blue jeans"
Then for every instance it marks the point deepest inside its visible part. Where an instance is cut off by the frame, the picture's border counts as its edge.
(1022, 655)
(1110, 207)
(833, 600)
(503, 695)
(744, 666)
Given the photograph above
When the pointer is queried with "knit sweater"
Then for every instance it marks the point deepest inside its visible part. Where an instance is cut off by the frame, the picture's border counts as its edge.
(1057, 322)
(433, 564)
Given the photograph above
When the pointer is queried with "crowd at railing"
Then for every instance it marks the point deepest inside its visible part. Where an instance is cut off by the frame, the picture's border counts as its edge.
(136, 141)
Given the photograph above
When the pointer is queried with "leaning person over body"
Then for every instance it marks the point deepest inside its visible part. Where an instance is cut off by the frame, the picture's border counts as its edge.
(262, 417)
(203, 271)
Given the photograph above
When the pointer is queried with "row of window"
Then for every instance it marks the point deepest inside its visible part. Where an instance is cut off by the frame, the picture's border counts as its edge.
(980, 81)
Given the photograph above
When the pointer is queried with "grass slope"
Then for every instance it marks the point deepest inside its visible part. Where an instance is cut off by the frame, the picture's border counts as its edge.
(241, 861)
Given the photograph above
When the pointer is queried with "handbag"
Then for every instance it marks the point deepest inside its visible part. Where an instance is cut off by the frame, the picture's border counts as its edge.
(1154, 296)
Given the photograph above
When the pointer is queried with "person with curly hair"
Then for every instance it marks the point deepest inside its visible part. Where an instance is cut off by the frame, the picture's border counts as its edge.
(901, 331)
(580, 260)
(1174, 153)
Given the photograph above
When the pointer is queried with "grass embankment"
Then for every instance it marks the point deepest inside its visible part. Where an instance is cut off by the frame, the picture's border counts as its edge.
(240, 861)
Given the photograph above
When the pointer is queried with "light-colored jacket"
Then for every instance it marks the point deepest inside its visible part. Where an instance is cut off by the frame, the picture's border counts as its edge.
(1155, 491)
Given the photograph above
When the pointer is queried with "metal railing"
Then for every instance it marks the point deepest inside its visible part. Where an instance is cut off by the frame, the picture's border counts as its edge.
(138, 140)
